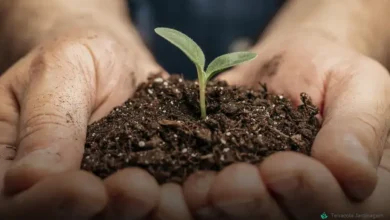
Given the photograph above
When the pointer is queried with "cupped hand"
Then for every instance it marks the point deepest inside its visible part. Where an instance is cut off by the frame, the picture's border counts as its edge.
(47, 99)
(349, 171)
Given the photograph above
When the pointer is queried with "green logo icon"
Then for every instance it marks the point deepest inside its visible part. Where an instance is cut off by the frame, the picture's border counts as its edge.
(324, 216)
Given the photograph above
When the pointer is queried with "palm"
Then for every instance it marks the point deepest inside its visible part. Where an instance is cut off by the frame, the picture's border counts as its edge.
(350, 91)
(47, 100)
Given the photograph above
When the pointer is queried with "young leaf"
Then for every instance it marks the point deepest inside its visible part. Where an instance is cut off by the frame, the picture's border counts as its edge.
(184, 43)
(223, 62)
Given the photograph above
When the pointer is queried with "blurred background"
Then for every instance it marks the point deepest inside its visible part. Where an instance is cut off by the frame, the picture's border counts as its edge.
(218, 26)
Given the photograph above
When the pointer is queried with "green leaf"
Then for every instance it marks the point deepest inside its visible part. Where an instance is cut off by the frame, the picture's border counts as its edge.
(184, 43)
(226, 61)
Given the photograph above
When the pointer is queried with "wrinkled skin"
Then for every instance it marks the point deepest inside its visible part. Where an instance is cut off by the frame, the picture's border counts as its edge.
(48, 98)
(351, 91)
(46, 101)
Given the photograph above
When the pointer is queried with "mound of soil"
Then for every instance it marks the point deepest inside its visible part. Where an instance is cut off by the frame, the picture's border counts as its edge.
(160, 129)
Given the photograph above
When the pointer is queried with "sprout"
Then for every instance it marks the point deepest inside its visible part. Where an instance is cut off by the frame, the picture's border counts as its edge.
(196, 55)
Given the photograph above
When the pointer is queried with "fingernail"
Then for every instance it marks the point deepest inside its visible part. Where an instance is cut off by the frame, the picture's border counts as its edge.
(283, 186)
(240, 209)
(356, 150)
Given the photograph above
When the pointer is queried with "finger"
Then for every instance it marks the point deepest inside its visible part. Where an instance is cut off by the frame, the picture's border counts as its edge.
(196, 189)
(380, 198)
(55, 105)
(356, 125)
(238, 192)
(304, 186)
(8, 127)
(133, 194)
(7, 153)
(385, 161)
(75, 195)
(172, 204)
(9, 112)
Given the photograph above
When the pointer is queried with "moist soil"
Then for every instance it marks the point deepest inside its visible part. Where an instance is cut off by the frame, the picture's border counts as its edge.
(160, 130)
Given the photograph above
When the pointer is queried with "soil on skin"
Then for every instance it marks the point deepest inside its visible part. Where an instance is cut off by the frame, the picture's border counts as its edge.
(160, 129)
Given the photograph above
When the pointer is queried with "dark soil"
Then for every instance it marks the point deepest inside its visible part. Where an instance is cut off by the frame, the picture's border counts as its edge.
(160, 129)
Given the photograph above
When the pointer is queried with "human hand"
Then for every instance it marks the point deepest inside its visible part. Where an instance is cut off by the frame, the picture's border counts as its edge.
(47, 99)
(349, 160)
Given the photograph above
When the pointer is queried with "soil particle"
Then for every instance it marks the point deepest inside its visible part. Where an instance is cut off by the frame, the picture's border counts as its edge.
(160, 129)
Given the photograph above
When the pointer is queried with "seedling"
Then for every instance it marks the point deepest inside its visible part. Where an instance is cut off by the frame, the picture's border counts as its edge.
(196, 55)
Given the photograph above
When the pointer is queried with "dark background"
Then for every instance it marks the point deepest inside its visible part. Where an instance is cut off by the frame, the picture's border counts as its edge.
(213, 24)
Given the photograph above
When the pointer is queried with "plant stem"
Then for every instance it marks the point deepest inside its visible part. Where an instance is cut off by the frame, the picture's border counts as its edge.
(202, 91)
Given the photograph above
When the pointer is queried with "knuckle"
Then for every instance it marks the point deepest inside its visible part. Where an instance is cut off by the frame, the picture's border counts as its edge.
(373, 129)
(65, 56)
(46, 124)
(373, 70)
(102, 48)
(41, 123)
(38, 120)
(370, 123)
(75, 55)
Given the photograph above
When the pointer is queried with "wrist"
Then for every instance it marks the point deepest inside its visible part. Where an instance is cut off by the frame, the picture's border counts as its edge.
(372, 42)
(358, 25)
(28, 24)
(81, 30)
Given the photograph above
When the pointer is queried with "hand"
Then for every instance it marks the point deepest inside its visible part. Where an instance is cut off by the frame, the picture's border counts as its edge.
(349, 160)
(47, 100)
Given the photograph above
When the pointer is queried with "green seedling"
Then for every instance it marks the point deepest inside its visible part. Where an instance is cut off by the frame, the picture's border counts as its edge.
(196, 55)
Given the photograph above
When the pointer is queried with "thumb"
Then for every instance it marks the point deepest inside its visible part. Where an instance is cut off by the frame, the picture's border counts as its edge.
(355, 127)
(55, 104)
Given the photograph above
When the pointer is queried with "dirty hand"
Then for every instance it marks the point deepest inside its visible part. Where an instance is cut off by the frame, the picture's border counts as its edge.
(350, 159)
(47, 99)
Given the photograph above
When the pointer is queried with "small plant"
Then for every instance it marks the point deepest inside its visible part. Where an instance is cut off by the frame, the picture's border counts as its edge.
(196, 55)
